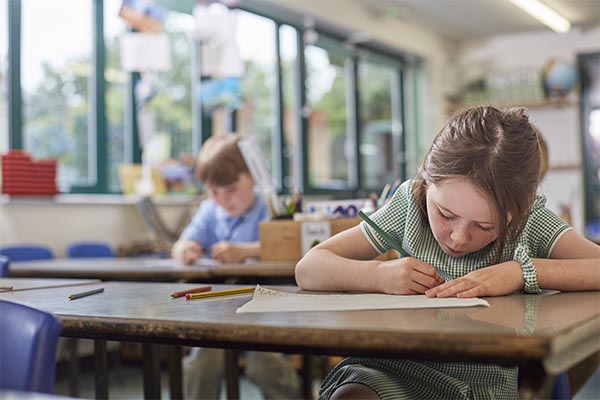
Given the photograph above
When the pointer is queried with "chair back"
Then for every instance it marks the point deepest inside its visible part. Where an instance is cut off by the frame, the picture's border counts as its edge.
(26, 252)
(28, 340)
(4, 263)
(90, 249)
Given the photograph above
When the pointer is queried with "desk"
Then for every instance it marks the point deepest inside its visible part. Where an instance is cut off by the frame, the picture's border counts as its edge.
(547, 334)
(33, 283)
(144, 269)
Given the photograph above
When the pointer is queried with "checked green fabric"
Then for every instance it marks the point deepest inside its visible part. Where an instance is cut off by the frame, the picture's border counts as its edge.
(405, 379)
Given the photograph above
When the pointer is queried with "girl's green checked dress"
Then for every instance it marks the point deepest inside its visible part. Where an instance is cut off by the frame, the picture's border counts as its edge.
(401, 218)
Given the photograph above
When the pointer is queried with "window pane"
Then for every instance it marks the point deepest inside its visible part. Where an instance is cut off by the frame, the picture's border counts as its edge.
(289, 52)
(56, 53)
(377, 155)
(255, 38)
(116, 92)
(3, 75)
(326, 97)
(172, 104)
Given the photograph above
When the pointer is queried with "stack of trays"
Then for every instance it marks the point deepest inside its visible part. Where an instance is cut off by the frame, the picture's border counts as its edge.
(23, 176)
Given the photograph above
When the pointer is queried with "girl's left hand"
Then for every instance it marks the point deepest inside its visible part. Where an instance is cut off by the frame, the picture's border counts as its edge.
(496, 280)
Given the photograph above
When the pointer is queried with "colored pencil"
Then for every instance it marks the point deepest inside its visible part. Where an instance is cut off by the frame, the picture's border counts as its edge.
(85, 294)
(218, 293)
(199, 289)
(6, 287)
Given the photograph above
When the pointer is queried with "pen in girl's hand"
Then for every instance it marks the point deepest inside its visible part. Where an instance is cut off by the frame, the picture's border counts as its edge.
(193, 290)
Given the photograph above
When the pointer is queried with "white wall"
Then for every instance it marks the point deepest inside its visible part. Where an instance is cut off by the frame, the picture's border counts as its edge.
(563, 184)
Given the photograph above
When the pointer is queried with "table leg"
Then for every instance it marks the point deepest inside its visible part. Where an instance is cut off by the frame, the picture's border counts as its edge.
(101, 368)
(535, 383)
(175, 376)
(232, 374)
(151, 363)
(307, 373)
(73, 366)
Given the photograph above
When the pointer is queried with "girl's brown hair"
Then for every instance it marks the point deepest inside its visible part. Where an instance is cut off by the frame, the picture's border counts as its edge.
(220, 161)
(498, 151)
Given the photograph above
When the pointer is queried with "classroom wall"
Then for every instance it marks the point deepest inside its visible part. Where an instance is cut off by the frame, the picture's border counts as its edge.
(563, 184)
(59, 223)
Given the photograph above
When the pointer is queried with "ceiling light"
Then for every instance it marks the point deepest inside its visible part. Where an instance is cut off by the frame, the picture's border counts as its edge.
(544, 14)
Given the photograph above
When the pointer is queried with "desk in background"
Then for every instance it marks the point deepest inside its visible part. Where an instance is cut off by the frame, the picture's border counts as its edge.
(145, 269)
(34, 283)
(545, 334)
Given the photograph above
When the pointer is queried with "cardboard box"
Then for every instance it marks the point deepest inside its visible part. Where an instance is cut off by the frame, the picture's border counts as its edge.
(287, 240)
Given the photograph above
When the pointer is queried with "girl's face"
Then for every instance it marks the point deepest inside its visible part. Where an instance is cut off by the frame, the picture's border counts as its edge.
(237, 198)
(461, 217)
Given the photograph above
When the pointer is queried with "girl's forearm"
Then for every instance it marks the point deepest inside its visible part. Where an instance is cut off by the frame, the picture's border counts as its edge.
(568, 275)
(321, 269)
(249, 250)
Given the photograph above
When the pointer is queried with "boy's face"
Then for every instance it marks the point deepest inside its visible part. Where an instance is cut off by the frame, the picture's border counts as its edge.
(461, 217)
(237, 197)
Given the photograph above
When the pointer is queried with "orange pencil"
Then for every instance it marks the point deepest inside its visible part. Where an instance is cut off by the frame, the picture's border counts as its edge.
(194, 290)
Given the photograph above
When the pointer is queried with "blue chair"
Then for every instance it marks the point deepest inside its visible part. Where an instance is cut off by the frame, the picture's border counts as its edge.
(4, 263)
(90, 249)
(28, 341)
(26, 252)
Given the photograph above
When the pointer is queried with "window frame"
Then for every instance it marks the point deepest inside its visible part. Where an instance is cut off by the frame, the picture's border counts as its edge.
(201, 124)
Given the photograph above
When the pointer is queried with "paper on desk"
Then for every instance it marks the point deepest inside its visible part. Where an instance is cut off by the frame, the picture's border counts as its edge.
(268, 300)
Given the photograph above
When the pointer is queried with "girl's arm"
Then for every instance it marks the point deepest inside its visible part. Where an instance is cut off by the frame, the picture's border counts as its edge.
(574, 264)
(345, 262)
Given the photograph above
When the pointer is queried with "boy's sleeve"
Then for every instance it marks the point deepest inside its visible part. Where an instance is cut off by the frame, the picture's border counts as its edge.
(200, 229)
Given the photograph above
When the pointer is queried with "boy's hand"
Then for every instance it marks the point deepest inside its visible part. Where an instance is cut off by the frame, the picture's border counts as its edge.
(187, 251)
(228, 252)
(495, 280)
(407, 275)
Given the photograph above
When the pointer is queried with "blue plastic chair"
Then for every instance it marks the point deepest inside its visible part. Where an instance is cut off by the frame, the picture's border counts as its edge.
(4, 263)
(26, 252)
(90, 249)
(28, 341)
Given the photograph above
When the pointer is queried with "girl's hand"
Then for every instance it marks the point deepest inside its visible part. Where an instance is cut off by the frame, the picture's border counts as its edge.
(496, 280)
(227, 252)
(187, 251)
(406, 275)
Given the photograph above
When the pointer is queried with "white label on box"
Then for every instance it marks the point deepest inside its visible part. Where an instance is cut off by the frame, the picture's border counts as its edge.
(314, 233)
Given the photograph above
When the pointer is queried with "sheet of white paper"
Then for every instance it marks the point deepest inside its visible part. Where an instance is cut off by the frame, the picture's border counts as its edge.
(268, 300)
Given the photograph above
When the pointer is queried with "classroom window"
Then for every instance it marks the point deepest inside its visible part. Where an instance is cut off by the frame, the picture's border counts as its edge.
(377, 142)
(172, 103)
(56, 68)
(3, 75)
(326, 93)
(255, 38)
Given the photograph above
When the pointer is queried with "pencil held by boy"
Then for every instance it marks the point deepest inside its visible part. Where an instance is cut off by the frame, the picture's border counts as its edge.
(472, 213)
(225, 227)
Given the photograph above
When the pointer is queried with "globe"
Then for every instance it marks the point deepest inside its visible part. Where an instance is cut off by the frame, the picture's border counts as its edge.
(559, 78)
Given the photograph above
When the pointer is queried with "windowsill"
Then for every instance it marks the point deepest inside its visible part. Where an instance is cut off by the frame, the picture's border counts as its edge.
(98, 199)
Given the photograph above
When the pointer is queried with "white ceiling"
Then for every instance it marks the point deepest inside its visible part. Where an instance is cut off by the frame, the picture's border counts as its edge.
(468, 19)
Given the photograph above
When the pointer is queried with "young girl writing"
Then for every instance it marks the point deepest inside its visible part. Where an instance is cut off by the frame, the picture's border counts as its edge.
(472, 214)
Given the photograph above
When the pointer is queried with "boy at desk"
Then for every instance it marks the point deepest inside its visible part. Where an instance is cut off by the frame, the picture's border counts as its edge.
(226, 228)
(471, 224)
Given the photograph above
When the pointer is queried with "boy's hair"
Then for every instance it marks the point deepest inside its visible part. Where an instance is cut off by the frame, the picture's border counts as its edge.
(499, 152)
(220, 161)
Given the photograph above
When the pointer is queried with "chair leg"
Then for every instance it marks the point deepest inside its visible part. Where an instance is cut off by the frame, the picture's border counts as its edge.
(175, 375)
